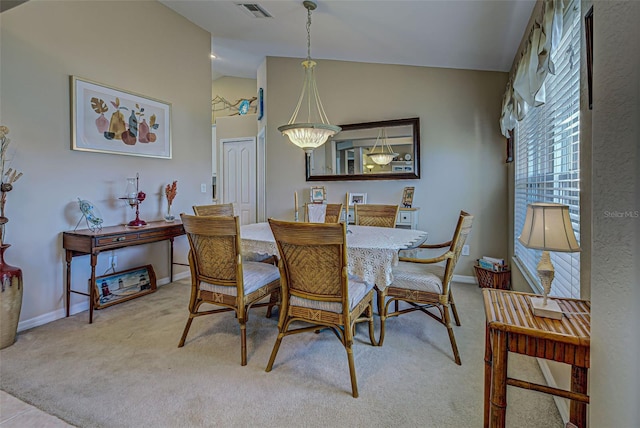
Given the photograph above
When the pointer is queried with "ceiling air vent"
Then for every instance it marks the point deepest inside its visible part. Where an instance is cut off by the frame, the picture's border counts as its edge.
(254, 10)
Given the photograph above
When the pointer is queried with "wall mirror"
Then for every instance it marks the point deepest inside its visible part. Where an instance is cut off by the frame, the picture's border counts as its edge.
(345, 155)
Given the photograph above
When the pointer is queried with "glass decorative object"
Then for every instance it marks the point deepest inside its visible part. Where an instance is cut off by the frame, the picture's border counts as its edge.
(134, 197)
(170, 192)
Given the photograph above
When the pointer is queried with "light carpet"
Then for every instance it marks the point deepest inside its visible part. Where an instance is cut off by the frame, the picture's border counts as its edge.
(125, 370)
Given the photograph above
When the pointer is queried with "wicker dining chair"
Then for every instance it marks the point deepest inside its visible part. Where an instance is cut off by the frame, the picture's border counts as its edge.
(214, 209)
(332, 214)
(376, 215)
(220, 277)
(227, 210)
(424, 284)
(316, 288)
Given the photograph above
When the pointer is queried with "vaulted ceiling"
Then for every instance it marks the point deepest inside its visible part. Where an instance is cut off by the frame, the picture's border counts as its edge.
(464, 34)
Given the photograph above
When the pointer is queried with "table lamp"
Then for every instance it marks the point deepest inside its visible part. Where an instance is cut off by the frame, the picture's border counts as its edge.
(547, 227)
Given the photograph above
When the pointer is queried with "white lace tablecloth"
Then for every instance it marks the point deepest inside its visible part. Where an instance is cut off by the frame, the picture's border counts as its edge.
(372, 251)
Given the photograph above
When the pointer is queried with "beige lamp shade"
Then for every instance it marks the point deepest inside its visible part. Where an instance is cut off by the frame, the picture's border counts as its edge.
(547, 226)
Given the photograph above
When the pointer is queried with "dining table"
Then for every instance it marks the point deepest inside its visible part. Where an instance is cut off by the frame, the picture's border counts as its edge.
(372, 252)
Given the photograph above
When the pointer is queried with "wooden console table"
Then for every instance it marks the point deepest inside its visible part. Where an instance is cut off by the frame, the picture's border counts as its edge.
(511, 326)
(85, 242)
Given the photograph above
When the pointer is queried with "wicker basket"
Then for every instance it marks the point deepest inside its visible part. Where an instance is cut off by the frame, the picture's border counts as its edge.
(491, 279)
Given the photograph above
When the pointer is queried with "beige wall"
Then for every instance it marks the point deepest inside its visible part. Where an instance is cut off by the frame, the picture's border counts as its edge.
(462, 152)
(236, 126)
(233, 89)
(232, 127)
(138, 46)
(615, 272)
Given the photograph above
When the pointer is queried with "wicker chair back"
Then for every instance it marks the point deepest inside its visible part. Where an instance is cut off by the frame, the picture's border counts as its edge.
(216, 209)
(313, 256)
(214, 247)
(376, 215)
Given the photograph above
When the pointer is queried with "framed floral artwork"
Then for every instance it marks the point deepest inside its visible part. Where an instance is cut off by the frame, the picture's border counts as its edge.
(109, 120)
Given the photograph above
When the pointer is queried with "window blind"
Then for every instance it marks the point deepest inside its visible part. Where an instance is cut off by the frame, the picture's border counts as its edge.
(547, 158)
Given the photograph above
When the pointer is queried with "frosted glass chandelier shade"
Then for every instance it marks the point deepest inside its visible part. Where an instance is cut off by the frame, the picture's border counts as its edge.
(308, 136)
(385, 155)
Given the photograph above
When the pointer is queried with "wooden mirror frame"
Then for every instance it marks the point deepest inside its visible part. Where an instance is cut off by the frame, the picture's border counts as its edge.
(415, 174)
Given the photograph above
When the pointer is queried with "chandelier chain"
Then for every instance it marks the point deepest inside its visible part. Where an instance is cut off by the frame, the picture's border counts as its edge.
(309, 34)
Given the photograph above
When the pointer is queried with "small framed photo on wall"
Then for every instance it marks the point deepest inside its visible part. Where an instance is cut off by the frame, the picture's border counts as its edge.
(357, 198)
(318, 194)
(407, 197)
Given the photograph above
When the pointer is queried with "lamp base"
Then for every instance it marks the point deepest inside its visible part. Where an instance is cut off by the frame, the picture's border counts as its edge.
(551, 310)
(137, 223)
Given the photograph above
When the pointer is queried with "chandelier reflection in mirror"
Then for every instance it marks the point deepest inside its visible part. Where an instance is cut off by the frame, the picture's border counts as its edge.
(384, 155)
(317, 129)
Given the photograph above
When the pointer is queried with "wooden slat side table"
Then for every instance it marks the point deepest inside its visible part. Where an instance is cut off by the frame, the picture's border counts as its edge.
(85, 241)
(512, 327)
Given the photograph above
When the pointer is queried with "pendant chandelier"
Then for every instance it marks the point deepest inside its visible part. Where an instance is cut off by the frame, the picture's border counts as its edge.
(385, 155)
(317, 129)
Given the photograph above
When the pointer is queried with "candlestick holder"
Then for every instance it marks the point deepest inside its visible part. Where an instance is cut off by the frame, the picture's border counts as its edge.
(134, 198)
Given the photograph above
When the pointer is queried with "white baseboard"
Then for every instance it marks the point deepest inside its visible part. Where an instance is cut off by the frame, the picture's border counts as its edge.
(80, 307)
(84, 306)
(561, 403)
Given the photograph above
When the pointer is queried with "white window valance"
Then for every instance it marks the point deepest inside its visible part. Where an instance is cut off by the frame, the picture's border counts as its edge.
(526, 85)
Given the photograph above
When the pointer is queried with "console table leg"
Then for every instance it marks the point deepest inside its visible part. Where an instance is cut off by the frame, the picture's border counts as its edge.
(578, 410)
(487, 375)
(92, 286)
(171, 263)
(499, 379)
(69, 256)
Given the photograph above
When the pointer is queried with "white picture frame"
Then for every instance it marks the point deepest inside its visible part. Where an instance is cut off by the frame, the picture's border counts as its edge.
(127, 133)
(357, 198)
(407, 196)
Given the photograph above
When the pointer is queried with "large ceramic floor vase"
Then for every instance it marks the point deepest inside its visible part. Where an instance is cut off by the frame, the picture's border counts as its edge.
(10, 300)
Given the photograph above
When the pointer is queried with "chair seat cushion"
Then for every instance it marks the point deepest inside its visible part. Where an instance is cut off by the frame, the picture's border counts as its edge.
(256, 275)
(357, 291)
(418, 276)
(254, 257)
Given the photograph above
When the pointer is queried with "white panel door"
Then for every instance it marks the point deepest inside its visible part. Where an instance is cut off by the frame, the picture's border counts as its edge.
(261, 178)
(239, 172)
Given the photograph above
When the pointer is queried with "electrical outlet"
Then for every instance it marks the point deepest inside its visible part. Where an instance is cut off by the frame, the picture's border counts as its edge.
(203, 188)
(465, 250)
(113, 261)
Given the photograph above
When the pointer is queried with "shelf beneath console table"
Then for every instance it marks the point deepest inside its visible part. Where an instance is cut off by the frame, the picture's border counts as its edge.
(87, 242)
